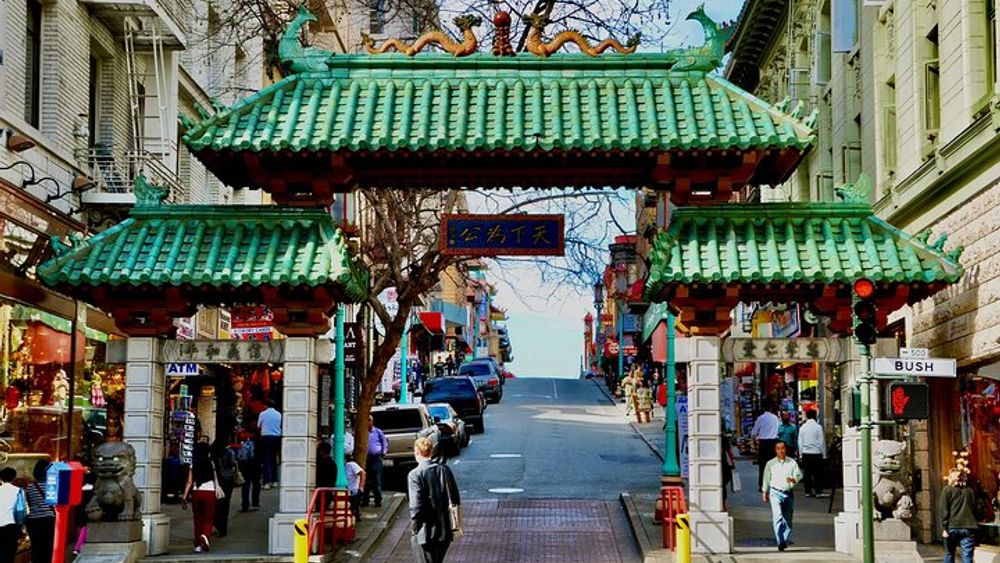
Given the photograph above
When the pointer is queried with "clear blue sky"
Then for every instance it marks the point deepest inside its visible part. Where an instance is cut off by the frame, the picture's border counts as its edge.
(546, 320)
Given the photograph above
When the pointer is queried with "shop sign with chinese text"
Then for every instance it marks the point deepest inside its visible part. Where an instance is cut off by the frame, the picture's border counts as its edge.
(774, 350)
(223, 351)
(502, 235)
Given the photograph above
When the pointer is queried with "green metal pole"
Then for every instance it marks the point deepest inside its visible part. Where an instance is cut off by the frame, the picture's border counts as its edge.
(671, 465)
(621, 343)
(404, 355)
(867, 499)
(338, 401)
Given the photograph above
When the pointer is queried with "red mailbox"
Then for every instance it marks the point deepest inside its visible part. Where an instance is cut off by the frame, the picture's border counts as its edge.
(77, 470)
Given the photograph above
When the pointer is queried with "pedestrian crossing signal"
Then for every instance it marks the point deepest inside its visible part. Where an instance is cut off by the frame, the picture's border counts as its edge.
(908, 400)
(853, 410)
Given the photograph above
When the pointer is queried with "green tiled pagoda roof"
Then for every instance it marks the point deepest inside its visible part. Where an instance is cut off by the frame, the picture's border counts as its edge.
(439, 102)
(819, 243)
(211, 246)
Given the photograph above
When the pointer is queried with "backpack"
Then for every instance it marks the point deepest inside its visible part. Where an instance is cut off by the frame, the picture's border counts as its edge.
(247, 451)
(20, 508)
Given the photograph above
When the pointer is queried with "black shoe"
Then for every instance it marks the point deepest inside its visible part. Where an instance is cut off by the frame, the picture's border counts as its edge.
(782, 547)
(378, 505)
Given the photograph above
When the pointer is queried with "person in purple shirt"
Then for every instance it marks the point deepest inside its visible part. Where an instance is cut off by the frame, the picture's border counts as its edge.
(378, 446)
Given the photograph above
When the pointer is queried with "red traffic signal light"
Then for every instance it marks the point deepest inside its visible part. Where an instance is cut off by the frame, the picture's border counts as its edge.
(864, 288)
(908, 400)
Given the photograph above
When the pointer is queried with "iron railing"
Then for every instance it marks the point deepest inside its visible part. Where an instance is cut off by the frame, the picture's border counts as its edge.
(115, 171)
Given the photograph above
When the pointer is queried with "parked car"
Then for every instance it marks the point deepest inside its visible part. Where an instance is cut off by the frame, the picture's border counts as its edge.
(401, 425)
(487, 378)
(463, 396)
(449, 423)
(496, 366)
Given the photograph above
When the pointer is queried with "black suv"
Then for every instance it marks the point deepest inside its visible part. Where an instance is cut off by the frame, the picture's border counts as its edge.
(461, 394)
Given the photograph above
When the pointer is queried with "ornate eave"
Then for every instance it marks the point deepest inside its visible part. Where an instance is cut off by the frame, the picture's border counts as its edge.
(754, 32)
(664, 121)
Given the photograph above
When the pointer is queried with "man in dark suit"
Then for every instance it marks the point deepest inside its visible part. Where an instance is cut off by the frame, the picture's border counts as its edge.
(432, 489)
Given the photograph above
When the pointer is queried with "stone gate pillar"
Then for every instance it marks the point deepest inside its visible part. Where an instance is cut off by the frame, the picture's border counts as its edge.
(145, 385)
(299, 427)
(711, 527)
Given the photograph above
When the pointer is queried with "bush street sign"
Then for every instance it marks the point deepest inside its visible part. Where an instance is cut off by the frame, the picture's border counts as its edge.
(903, 367)
(502, 235)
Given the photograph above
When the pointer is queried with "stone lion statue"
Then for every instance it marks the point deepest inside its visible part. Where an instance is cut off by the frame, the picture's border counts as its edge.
(892, 499)
(116, 497)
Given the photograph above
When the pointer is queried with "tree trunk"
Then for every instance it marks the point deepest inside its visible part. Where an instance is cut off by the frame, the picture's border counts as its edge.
(373, 375)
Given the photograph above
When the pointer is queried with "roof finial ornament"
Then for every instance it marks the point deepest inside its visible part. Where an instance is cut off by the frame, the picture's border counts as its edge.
(296, 57)
(148, 195)
(501, 35)
(539, 47)
(466, 47)
(708, 56)
(858, 192)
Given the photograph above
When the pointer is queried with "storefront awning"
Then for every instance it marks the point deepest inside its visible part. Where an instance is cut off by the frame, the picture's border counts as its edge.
(433, 321)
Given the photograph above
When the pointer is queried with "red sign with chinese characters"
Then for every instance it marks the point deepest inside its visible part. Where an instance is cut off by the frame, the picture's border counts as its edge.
(502, 235)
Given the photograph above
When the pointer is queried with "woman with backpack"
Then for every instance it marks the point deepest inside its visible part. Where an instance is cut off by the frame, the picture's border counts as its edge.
(249, 465)
(224, 460)
(41, 520)
(13, 511)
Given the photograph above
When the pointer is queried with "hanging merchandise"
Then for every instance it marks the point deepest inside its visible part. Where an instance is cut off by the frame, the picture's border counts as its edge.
(97, 392)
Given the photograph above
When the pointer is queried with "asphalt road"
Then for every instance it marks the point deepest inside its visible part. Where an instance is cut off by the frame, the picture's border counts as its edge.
(551, 439)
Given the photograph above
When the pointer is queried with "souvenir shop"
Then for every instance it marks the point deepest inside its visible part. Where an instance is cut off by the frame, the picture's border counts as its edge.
(35, 361)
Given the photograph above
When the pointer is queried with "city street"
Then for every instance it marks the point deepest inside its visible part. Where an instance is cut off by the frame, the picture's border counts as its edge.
(547, 472)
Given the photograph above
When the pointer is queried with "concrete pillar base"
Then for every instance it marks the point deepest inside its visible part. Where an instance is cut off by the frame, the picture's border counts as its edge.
(897, 551)
(711, 532)
(156, 533)
(280, 532)
(847, 533)
(112, 552)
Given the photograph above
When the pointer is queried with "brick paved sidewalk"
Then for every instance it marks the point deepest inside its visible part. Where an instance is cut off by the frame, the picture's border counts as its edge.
(522, 530)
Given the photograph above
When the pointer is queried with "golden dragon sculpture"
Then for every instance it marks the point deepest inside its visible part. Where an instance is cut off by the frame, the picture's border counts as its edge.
(468, 45)
(538, 46)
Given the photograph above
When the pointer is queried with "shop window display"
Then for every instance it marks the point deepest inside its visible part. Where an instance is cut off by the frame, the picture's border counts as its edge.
(979, 404)
(35, 385)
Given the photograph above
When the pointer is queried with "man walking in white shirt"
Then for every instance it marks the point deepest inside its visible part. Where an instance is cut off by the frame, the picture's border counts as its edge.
(269, 424)
(812, 449)
(765, 430)
(780, 476)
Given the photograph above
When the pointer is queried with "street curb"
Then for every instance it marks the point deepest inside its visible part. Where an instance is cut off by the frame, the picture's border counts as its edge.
(364, 549)
(646, 551)
(635, 428)
(656, 450)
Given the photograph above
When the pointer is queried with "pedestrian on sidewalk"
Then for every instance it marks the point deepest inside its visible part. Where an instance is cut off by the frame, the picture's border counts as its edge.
(728, 468)
(432, 491)
(812, 451)
(202, 488)
(780, 476)
(355, 483)
(13, 510)
(248, 460)
(224, 460)
(269, 424)
(628, 389)
(378, 446)
(41, 519)
(788, 433)
(959, 521)
(765, 431)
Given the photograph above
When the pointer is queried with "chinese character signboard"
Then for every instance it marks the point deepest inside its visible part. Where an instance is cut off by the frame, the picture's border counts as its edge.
(496, 235)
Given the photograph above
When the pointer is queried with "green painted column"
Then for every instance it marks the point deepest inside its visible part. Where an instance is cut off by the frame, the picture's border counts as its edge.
(671, 465)
(404, 355)
(867, 498)
(338, 401)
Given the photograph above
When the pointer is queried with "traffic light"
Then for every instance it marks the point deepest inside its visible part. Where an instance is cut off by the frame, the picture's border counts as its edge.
(864, 312)
(908, 400)
(852, 410)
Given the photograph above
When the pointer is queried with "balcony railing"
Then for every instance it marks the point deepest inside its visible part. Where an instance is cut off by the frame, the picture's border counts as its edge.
(115, 172)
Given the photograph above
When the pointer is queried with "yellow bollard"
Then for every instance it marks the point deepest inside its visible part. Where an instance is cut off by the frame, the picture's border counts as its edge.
(682, 536)
(300, 545)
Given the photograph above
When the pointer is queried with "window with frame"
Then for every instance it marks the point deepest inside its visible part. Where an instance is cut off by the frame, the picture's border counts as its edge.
(889, 127)
(377, 17)
(932, 86)
(33, 62)
(991, 45)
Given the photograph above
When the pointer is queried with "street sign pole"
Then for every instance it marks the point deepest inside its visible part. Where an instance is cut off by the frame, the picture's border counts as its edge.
(621, 341)
(338, 401)
(867, 500)
(404, 355)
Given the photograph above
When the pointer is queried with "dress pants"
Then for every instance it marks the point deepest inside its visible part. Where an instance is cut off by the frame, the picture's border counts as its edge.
(9, 537)
(373, 482)
(431, 552)
(272, 447)
(782, 509)
(812, 473)
(250, 491)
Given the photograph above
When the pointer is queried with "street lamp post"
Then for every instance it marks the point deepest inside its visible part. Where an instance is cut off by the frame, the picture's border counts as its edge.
(599, 306)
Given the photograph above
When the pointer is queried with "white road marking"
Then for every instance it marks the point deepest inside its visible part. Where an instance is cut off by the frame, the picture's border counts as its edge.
(554, 392)
(506, 490)
(504, 456)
